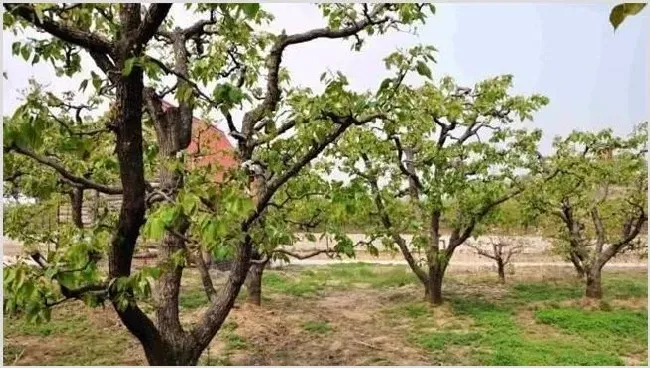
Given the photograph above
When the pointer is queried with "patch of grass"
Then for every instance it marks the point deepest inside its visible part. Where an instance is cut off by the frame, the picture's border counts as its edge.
(614, 287)
(233, 340)
(69, 338)
(440, 340)
(501, 341)
(518, 351)
(276, 282)
(192, 298)
(620, 323)
(417, 310)
(625, 287)
(317, 327)
(622, 330)
(338, 277)
(377, 276)
(546, 291)
(60, 324)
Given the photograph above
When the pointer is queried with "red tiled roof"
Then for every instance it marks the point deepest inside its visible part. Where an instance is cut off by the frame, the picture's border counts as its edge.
(209, 145)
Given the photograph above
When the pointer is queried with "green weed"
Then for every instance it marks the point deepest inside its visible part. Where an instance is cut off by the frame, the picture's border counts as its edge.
(317, 327)
(440, 340)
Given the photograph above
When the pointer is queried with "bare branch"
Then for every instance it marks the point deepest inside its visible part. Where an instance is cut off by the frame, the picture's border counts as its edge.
(483, 253)
(414, 181)
(197, 28)
(156, 14)
(512, 251)
(308, 255)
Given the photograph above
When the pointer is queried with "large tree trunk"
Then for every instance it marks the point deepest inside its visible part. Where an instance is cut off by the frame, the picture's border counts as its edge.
(434, 289)
(254, 283)
(434, 283)
(594, 285)
(501, 269)
(184, 352)
(127, 122)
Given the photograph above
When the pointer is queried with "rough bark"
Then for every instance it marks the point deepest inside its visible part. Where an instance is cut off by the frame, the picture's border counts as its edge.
(594, 288)
(437, 268)
(501, 269)
(127, 111)
(254, 283)
(434, 287)
(577, 265)
(76, 201)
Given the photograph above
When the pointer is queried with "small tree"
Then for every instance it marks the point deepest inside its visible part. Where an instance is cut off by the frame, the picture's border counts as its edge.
(306, 203)
(453, 151)
(502, 250)
(598, 200)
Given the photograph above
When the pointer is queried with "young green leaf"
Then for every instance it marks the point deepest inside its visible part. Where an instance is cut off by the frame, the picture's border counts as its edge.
(423, 69)
(128, 66)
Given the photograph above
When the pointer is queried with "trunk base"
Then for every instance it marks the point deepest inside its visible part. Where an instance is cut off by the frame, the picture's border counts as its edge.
(594, 288)
(166, 356)
(433, 292)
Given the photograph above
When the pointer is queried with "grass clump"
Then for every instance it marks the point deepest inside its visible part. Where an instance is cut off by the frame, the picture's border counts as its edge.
(317, 327)
(440, 340)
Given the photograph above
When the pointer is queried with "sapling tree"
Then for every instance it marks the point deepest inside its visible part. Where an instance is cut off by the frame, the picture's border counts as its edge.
(597, 203)
(500, 250)
(140, 56)
(503, 228)
(453, 152)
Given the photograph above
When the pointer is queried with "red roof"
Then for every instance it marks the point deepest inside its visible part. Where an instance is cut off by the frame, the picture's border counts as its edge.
(209, 144)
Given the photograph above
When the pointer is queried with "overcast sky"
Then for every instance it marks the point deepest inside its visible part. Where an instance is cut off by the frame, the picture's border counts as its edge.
(595, 78)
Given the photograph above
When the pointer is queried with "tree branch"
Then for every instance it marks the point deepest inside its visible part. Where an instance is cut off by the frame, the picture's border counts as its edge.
(414, 181)
(87, 40)
(397, 238)
(483, 253)
(274, 185)
(156, 14)
(600, 230)
(633, 231)
(85, 183)
(308, 255)
(274, 59)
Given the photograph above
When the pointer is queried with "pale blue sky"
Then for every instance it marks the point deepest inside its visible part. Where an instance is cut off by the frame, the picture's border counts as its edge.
(595, 78)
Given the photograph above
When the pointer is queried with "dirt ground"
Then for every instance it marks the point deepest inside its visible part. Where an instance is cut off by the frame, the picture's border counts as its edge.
(340, 315)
